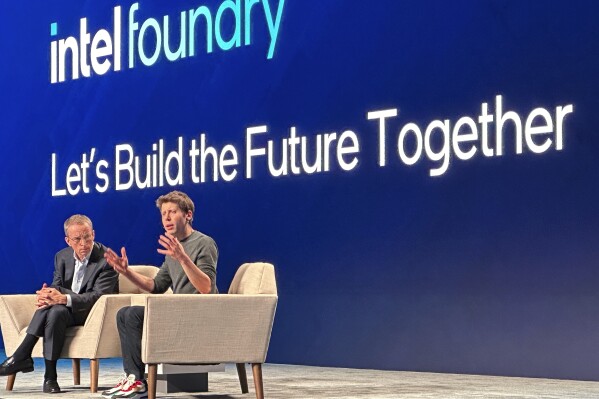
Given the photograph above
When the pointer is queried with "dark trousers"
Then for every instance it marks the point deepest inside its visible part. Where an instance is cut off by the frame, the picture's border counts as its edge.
(51, 324)
(130, 322)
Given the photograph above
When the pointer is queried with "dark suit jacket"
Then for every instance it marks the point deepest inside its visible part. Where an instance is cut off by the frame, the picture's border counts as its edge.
(99, 279)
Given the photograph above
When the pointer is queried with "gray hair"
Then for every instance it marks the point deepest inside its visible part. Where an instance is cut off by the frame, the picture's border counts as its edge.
(77, 219)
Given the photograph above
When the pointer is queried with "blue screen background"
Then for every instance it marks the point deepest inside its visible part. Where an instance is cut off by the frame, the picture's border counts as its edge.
(490, 268)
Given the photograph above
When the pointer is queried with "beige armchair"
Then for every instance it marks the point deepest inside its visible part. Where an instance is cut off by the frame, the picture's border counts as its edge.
(98, 338)
(233, 328)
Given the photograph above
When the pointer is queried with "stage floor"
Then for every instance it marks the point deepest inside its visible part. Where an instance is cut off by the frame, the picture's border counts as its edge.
(290, 382)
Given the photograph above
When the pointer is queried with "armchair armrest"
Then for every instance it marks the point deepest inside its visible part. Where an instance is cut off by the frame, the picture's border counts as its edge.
(207, 328)
(15, 314)
(99, 336)
(139, 299)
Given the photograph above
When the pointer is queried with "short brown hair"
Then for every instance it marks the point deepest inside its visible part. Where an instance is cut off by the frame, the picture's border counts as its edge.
(77, 219)
(181, 199)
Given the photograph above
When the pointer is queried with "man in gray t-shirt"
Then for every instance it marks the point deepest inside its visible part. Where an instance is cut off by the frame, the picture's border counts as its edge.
(189, 268)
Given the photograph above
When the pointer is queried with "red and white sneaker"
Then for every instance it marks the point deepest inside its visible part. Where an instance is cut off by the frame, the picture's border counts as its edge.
(133, 389)
(109, 393)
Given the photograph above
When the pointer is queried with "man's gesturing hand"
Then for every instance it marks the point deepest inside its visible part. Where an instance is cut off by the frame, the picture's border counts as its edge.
(172, 247)
(121, 264)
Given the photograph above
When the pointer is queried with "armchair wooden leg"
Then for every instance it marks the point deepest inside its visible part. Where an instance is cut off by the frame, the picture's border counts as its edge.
(77, 371)
(257, 372)
(152, 372)
(243, 379)
(10, 382)
(94, 370)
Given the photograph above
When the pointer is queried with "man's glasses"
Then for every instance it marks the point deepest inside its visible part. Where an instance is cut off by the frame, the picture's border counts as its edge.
(85, 239)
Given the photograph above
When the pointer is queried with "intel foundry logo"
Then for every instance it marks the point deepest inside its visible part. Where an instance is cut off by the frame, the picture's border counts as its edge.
(199, 29)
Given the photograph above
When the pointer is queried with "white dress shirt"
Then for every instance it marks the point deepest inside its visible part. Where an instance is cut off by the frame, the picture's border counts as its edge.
(80, 267)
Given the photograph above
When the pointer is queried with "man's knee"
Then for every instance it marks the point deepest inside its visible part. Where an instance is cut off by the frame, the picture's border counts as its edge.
(40, 315)
(57, 312)
(121, 315)
(130, 315)
(127, 314)
(137, 313)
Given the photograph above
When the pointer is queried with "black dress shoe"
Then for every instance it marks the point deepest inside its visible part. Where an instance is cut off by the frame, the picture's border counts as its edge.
(51, 386)
(10, 366)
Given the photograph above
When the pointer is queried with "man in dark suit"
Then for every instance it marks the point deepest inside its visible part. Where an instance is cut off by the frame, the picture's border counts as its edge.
(81, 276)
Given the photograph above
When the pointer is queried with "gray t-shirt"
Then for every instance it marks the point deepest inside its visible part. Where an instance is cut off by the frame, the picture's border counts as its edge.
(202, 250)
